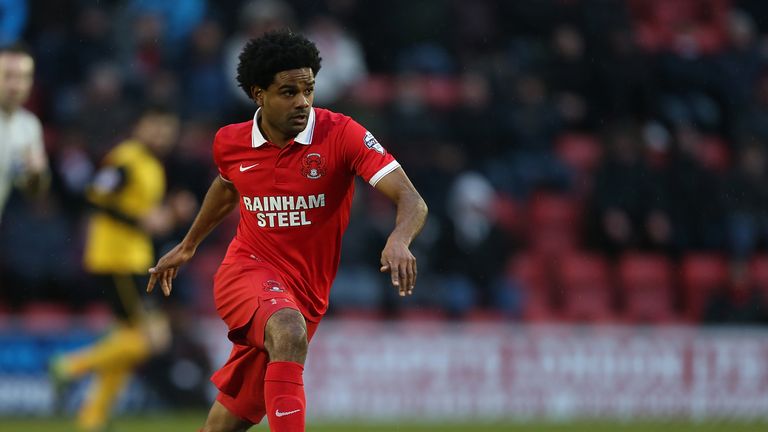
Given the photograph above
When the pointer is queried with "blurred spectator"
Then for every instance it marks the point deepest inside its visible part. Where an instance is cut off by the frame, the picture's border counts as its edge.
(204, 83)
(164, 88)
(741, 63)
(23, 161)
(343, 60)
(89, 43)
(695, 203)
(358, 286)
(46, 267)
(103, 109)
(531, 120)
(478, 32)
(13, 19)
(146, 50)
(626, 87)
(688, 28)
(472, 249)
(178, 18)
(739, 302)
(72, 169)
(414, 26)
(529, 125)
(628, 208)
(473, 121)
(417, 129)
(426, 58)
(189, 167)
(570, 76)
(746, 194)
(754, 122)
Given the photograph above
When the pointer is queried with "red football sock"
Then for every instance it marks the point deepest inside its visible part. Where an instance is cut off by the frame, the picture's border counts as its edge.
(284, 394)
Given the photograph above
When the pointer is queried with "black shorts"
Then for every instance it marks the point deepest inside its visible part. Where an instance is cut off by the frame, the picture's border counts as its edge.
(125, 294)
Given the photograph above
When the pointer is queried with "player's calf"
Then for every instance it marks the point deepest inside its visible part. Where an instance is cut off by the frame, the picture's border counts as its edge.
(221, 420)
(285, 338)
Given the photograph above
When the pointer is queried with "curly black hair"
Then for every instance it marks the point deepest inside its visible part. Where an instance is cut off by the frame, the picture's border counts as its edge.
(274, 52)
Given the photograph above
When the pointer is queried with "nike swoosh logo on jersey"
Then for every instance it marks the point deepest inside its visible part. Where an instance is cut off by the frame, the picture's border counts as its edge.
(246, 168)
(282, 414)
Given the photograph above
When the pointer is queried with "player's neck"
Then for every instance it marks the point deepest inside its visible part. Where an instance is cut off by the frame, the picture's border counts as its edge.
(272, 135)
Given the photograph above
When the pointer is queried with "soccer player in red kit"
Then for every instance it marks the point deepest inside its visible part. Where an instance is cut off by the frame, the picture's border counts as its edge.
(291, 172)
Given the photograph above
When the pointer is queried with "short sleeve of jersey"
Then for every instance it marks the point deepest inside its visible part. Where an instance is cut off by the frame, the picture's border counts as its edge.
(217, 150)
(366, 156)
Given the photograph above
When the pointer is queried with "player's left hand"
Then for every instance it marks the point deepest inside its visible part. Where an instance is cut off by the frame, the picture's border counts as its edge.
(398, 260)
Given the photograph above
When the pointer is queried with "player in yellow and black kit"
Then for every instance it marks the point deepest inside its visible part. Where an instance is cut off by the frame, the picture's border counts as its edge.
(127, 199)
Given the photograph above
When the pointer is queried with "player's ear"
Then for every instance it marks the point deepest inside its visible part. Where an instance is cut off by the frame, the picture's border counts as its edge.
(257, 95)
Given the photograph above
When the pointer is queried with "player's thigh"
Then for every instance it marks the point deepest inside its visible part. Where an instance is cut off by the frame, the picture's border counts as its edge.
(246, 296)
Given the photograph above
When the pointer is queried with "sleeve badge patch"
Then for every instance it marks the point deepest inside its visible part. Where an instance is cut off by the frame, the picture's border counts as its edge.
(371, 143)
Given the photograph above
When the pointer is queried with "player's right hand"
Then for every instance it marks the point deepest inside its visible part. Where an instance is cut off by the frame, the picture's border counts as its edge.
(167, 268)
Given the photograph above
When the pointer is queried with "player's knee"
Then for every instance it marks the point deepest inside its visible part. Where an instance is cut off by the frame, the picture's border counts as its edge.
(286, 336)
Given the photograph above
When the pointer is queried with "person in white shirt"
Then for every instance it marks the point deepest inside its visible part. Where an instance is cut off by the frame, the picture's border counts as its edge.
(23, 161)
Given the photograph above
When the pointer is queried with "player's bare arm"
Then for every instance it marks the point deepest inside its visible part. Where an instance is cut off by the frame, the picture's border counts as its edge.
(220, 200)
(396, 257)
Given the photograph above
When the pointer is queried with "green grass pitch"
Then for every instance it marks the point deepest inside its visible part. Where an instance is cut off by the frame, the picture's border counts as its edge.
(190, 422)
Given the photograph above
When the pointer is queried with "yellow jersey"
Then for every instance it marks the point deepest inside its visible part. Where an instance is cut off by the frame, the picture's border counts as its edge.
(129, 185)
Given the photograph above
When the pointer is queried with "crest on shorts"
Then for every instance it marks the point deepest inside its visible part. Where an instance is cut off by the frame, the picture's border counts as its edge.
(371, 143)
(272, 286)
(313, 166)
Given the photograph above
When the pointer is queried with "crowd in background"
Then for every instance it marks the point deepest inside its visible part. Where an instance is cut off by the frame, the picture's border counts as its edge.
(536, 131)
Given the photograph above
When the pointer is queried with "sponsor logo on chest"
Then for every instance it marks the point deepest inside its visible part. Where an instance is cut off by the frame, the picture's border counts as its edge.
(284, 210)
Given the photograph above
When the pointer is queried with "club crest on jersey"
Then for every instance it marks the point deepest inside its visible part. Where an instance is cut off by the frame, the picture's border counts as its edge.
(313, 166)
(272, 286)
(371, 143)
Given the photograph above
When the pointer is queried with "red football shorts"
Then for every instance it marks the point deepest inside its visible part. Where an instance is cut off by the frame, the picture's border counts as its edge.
(246, 294)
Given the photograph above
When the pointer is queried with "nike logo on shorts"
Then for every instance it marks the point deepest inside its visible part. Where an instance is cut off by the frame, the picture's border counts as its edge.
(246, 168)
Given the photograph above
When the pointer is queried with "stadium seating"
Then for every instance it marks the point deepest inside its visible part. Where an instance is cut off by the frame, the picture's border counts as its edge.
(529, 273)
(557, 221)
(715, 154)
(584, 282)
(375, 91)
(44, 316)
(701, 274)
(581, 152)
(647, 288)
(758, 273)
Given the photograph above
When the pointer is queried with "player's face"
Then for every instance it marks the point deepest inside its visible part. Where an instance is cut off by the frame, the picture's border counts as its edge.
(158, 131)
(16, 74)
(285, 104)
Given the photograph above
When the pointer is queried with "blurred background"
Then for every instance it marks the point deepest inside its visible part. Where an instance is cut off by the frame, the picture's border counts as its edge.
(596, 173)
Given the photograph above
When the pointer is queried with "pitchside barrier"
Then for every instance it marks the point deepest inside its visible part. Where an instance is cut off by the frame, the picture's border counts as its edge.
(460, 371)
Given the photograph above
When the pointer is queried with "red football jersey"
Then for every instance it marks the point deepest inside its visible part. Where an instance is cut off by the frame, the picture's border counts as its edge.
(295, 201)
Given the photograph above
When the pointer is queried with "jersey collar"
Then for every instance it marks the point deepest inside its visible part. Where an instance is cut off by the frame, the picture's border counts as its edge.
(304, 137)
